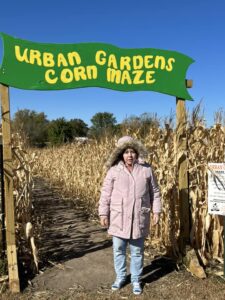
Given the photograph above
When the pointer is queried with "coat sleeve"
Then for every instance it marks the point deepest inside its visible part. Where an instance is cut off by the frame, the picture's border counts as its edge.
(155, 194)
(106, 192)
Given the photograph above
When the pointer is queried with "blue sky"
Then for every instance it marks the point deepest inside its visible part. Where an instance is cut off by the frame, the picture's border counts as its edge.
(194, 28)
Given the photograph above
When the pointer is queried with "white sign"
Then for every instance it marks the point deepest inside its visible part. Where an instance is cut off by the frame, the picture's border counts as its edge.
(216, 188)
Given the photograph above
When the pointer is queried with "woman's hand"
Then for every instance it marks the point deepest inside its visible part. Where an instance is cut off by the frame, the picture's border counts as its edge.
(155, 218)
(104, 221)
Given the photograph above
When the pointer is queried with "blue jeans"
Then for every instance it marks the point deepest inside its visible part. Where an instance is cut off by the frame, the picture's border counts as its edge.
(137, 257)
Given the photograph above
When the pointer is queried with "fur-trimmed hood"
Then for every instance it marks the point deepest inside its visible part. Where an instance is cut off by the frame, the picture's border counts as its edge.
(122, 144)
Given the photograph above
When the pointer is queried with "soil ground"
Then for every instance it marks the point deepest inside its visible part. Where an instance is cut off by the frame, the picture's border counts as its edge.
(76, 260)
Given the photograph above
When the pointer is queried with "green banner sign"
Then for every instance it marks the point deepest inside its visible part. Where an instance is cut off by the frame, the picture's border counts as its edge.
(39, 66)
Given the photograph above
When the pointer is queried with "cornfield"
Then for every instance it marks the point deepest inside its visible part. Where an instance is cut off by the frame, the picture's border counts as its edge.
(22, 184)
(79, 170)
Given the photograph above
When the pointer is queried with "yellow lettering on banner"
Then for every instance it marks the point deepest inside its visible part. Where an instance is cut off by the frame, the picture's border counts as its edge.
(66, 76)
(125, 63)
(126, 77)
(100, 57)
(113, 75)
(61, 61)
(170, 62)
(79, 73)
(147, 60)
(137, 76)
(160, 60)
(21, 57)
(138, 62)
(35, 57)
(74, 58)
(112, 61)
(48, 59)
(48, 79)
(92, 72)
(149, 78)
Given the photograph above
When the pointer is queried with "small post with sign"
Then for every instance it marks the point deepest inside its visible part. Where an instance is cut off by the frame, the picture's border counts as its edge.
(216, 193)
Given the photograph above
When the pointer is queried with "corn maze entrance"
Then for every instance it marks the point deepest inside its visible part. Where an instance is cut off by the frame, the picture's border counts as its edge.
(28, 65)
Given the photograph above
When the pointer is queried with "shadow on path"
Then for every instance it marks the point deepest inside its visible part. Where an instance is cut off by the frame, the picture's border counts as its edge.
(158, 268)
(155, 269)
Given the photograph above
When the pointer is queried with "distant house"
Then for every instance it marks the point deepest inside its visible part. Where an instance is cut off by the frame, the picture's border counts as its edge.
(81, 139)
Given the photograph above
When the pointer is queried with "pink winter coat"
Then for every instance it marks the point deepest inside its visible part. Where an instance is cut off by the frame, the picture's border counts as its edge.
(127, 198)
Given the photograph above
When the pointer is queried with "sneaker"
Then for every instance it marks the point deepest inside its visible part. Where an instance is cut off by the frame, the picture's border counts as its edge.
(137, 289)
(118, 284)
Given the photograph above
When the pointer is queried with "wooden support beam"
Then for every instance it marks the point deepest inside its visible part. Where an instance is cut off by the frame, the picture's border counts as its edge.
(182, 174)
(2, 208)
(14, 283)
(182, 165)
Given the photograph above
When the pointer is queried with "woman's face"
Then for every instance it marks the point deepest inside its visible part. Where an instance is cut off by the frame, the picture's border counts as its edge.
(129, 156)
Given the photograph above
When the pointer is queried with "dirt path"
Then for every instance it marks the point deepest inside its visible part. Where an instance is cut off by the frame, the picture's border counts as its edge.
(76, 260)
(71, 247)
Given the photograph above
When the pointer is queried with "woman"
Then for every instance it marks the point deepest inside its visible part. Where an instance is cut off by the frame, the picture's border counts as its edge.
(128, 193)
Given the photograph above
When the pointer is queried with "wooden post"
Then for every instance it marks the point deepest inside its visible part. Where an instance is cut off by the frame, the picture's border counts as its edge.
(2, 209)
(182, 164)
(14, 283)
